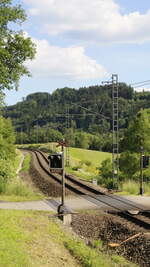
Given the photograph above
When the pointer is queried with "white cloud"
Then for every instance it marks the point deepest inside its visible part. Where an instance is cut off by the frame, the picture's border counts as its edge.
(95, 20)
(67, 63)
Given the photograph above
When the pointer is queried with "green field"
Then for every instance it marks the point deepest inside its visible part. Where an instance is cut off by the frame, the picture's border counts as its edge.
(83, 162)
(95, 157)
(17, 189)
(23, 245)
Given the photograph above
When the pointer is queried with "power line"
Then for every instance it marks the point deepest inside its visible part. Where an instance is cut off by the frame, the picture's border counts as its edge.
(140, 82)
(142, 85)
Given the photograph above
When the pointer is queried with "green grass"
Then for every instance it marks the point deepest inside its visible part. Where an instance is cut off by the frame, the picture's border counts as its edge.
(77, 154)
(12, 251)
(26, 163)
(17, 159)
(95, 157)
(132, 188)
(23, 245)
(147, 188)
(83, 162)
(16, 189)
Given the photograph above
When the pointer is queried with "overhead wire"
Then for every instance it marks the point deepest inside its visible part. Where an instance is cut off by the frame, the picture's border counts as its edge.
(140, 82)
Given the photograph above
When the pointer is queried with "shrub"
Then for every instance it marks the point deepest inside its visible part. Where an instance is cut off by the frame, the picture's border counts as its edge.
(6, 174)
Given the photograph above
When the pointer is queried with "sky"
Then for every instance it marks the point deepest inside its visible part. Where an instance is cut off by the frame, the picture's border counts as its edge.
(83, 42)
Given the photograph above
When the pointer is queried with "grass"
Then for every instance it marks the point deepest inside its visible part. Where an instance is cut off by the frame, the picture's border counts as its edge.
(95, 157)
(17, 159)
(132, 188)
(29, 238)
(18, 190)
(83, 162)
(26, 163)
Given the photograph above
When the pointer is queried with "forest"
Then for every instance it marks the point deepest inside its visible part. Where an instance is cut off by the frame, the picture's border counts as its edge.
(83, 117)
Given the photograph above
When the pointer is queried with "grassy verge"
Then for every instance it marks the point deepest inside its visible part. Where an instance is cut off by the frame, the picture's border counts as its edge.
(18, 190)
(29, 238)
(83, 162)
(26, 163)
(132, 188)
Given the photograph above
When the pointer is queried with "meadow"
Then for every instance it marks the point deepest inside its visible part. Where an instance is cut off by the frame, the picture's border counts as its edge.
(85, 165)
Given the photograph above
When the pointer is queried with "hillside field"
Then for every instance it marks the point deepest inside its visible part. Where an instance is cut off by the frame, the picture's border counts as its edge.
(95, 157)
(83, 163)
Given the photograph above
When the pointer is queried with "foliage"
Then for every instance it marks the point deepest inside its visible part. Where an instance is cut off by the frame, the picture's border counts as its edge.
(90, 111)
(6, 173)
(9, 183)
(26, 163)
(90, 257)
(15, 48)
(84, 155)
(105, 174)
(90, 117)
(7, 139)
(22, 243)
(129, 164)
(138, 133)
(136, 140)
(81, 140)
(7, 152)
(130, 187)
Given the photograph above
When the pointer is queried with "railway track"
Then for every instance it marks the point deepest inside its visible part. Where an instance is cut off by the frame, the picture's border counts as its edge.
(113, 204)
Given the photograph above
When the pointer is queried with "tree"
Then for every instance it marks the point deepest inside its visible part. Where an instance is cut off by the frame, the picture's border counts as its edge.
(129, 164)
(81, 139)
(15, 48)
(7, 139)
(105, 174)
(138, 133)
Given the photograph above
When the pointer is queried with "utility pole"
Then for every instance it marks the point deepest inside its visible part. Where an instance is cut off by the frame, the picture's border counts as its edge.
(141, 171)
(63, 177)
(115, 129)
(61, 207)
(21, 137)
(67, 146)
(37, 133)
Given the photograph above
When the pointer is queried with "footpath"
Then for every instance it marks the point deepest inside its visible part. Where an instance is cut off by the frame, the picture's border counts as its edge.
(71, 203)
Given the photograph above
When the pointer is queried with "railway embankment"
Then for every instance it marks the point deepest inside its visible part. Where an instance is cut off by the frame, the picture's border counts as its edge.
(93, 227)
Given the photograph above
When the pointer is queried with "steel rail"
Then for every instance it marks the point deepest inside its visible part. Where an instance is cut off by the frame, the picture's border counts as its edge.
(97, 192)
(120, 213)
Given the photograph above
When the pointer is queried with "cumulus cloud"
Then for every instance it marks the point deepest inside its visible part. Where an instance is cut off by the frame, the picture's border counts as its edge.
(67, 63)
(96, 20)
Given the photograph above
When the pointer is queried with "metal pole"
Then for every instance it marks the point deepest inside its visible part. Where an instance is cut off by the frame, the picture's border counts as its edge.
(21, 137)
(141, 172)
(67, 129)
(37, 139)
(63, 178)
(115, 129)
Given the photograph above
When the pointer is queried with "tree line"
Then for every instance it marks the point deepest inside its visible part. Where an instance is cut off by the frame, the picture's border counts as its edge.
(43, 117)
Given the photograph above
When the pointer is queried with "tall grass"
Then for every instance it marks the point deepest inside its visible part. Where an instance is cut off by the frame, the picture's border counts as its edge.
(15, 189)
(26, 163)
(133, 188)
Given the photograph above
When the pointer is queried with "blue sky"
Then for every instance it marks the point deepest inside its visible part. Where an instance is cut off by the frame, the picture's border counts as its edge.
(83, 42)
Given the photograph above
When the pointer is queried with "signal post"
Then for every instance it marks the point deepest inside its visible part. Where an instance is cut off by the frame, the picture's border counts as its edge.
(61, 207)
(57, 165)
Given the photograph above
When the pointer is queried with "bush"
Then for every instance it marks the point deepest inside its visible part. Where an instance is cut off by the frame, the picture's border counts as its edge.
(129, 164)
(6, 174)
(18, 188)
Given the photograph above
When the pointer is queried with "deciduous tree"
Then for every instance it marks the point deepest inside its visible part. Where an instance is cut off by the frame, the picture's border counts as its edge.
(15, 48)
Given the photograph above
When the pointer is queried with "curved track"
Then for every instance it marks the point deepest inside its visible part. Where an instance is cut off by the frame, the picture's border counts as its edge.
(115, 204)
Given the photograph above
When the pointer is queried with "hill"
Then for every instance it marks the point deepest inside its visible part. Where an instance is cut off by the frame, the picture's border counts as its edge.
(90, 111)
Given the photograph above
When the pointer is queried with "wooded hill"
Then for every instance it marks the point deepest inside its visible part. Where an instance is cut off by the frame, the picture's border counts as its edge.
(90, 111)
